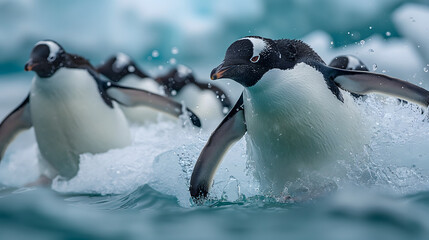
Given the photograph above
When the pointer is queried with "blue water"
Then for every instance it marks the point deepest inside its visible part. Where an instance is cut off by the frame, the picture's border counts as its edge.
(148, 214)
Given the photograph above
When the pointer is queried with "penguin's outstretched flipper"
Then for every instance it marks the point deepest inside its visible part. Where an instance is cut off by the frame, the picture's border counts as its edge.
(362, 82)
(229, 131)
(17, 121)
(137, 97)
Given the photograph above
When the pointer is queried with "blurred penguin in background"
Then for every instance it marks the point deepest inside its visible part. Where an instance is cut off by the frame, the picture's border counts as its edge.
(209, 102)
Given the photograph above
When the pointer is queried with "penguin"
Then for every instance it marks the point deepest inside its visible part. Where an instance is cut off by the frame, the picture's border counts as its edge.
(122, 70)
(73, 111)
(295, 109)
(349, 62)
(206, 100)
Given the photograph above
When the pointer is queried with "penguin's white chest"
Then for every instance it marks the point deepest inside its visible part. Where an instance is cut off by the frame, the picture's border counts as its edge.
(203, 102)
(294, 123)
(70, 118)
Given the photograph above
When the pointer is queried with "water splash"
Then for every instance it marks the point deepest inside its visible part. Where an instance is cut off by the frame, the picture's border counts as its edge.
(162, 156)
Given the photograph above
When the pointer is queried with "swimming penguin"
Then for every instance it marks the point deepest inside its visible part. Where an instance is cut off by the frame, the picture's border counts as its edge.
(295, 115)
(349, 62)
(73, 111)
(206, 100)
(122, 70)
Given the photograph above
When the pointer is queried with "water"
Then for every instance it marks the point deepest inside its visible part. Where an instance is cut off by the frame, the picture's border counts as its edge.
(140, 192)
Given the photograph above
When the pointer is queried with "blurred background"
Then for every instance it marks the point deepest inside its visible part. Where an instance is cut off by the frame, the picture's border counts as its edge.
(196, 33)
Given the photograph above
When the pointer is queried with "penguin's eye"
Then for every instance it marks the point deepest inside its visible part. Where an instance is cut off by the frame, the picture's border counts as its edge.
(51, 58)
(255, 59)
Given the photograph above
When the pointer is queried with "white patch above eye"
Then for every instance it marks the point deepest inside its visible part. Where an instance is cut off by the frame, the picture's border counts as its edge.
(53, 49)
(259, 46)
(121, 61)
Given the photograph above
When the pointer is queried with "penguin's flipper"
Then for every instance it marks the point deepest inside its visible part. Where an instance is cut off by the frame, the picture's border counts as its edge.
(136, 97)
(362, 82)
(230, 130)
(18, 120)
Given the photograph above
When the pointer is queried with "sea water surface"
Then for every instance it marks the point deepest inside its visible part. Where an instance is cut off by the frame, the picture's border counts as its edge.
(141, 191)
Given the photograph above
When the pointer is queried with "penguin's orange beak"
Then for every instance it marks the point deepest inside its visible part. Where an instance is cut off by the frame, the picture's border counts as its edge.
(29, 65)
(219, 72)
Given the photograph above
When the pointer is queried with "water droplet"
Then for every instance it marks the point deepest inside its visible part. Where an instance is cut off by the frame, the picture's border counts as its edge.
(225, 110)
(362, 42)
(175, 50)
(209, 85)
(332, 42)
(172, 61)
(155, 53)
(160, 67)
(388, 34)
(374, 67)
(383, 71)
(348, 33)
(425, 69)
(370, 27)
(371, 50)
(131, 69)
(173, 92)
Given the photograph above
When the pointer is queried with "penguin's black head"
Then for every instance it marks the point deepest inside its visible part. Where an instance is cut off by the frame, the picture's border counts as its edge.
(119, 66)
(249, 58)
(45, 58)
(176, 79)
(348, 62)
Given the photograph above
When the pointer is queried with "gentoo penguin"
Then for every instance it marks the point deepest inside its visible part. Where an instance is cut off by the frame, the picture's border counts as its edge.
(349, 62)
(295, 115)
(122, 70)
(73, 111)
(206, 100)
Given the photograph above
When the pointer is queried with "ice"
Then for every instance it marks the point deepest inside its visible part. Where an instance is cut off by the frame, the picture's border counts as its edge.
(201, 30)
(412, 22)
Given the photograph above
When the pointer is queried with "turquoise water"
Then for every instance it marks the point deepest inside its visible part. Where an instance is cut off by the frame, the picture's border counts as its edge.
(148, 214)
